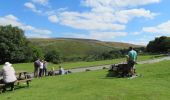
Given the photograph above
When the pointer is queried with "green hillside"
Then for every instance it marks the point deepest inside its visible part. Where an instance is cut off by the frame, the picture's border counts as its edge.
(78, 47)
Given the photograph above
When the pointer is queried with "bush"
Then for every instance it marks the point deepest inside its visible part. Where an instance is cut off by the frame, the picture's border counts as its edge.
(53, 56)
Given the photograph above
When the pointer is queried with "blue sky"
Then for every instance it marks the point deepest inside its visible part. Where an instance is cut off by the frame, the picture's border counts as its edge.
(132, 21)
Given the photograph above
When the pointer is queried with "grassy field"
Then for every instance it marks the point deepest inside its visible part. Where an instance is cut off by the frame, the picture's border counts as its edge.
(94, 85)
(29, 66)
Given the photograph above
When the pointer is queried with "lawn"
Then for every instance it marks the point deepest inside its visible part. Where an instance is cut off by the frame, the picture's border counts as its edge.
(94, 85)
(29, 66)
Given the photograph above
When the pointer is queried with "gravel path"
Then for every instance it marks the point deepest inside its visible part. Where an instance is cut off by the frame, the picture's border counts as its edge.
(108, 66)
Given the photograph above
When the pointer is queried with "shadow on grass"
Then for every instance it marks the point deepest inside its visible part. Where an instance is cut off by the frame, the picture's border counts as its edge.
(113, 75)
(8, 89)
(20, 87)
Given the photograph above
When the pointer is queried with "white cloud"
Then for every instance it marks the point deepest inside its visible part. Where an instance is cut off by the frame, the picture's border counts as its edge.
(110, 16)
(163, 28)
(53, 18)
(106, 14)
(102, 21)
(117, 3)
(124, 16)
(31, 35)
(32, 7)
(41, 2)
(14, 21)
(10, 19)
(144, 43)
(136, 33)
(85, 22)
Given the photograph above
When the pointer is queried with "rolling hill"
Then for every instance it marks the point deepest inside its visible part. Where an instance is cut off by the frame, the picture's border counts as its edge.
(70, 47)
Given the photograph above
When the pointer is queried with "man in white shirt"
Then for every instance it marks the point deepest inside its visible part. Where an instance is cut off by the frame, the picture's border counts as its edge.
(61, 70)
(41, 68)
(9, 77)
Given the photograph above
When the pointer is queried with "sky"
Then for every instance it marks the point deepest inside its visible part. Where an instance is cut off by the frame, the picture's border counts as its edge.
(130, 21)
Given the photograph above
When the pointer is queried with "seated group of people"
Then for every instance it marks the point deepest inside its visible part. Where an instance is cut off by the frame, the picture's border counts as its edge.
(61, 71)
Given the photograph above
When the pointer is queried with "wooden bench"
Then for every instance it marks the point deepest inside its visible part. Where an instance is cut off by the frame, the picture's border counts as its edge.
(16, 83)
(23, 81)
(23, 78)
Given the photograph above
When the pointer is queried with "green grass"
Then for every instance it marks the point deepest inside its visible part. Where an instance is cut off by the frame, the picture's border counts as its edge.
(70, 48)
(94, 85)
(29, 66)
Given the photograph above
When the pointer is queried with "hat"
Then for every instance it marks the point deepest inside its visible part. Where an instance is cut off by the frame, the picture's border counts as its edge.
(7, 63)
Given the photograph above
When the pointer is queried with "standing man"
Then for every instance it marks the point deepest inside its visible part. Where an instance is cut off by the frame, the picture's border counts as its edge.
(36, 67)
(132, 54)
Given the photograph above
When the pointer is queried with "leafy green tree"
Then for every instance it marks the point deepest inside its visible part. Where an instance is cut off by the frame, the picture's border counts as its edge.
(53, 56)
(14, 47)
(34, 52)
(160, 44)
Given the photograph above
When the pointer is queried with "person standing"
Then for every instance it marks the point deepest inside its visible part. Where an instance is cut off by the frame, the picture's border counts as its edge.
(36, 67)
(132, 58)
(45, 68)
(41, 68)
(9, 77)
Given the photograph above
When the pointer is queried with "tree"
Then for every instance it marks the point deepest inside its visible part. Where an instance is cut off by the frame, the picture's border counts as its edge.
(35, 52)
(53, 56)
(14, 47)
(160, 44)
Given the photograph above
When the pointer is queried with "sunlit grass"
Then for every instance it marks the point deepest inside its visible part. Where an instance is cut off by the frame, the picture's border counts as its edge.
(94, 85)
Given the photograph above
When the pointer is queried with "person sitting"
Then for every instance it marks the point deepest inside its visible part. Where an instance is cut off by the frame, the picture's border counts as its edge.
(9, 77)
(52, 72)
(61, 71)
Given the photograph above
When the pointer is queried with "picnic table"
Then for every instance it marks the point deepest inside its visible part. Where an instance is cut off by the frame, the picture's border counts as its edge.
(22, 77)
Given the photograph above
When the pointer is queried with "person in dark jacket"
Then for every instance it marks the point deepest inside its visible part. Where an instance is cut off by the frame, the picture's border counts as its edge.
(36, 67)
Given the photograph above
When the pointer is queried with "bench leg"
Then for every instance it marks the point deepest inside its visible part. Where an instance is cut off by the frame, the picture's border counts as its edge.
(1, 90)
(12, 86)
(27, 83)
(4, 89)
